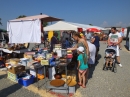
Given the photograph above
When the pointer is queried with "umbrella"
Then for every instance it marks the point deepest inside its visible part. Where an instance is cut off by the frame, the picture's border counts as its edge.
(93, 30)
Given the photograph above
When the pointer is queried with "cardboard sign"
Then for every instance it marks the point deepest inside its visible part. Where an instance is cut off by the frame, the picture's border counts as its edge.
(48, 56)
(30, 53)
(44, 62)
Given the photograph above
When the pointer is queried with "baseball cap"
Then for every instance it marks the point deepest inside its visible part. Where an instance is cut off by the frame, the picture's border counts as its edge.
(81, 49)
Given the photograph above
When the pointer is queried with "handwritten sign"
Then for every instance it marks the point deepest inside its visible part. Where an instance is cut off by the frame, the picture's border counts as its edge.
(48, 56)
(44, 62)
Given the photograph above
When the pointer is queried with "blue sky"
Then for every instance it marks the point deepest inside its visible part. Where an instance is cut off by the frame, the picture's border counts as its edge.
(97, 12)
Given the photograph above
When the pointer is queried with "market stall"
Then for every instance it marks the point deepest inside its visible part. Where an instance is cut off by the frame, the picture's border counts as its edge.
(38, 64)
(27, 29)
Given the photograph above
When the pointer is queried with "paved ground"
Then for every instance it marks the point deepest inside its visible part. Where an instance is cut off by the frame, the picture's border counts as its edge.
(106, 83)
(101, 83)
(11, 89)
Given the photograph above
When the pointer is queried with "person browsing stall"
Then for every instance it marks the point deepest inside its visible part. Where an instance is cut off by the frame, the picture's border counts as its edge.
(82, 66)
(54, 40)
(95, 40)
(80, 42)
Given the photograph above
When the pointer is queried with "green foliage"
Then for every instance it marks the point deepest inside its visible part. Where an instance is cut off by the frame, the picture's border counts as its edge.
(3, 30)
(45, 24)
(0, 21)
(21, 16)
(90, 24)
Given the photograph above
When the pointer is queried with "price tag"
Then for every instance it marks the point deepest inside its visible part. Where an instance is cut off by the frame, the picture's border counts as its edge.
(44, 62)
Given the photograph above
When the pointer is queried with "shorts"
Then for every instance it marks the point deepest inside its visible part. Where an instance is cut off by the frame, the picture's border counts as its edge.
(83, 71)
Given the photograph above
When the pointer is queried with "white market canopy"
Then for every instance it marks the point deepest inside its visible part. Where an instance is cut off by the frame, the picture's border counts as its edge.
(87, 26)
(27, 29)
(62, 25)
(43, 17)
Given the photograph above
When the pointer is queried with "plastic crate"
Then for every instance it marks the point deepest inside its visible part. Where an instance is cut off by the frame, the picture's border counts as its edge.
(26, 82)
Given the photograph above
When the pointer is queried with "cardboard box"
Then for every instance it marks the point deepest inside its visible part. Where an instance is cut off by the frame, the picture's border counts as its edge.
(17, 69)
(28, 56)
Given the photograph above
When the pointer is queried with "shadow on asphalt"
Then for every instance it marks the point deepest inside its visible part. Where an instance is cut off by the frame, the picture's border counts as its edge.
(91, 70)
(126, 47)
(9, 90)
(3, 76)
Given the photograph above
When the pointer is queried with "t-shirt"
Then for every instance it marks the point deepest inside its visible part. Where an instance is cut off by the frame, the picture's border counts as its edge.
(54, 41)
(96, 42)
(121, 34)
(82, 65)
(114, 37)
(67, 43)
(88, 36)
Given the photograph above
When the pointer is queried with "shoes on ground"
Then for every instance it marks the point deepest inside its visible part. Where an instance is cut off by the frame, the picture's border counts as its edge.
(120, 65)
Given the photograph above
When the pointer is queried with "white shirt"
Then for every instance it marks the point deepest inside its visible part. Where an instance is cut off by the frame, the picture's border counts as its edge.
(114, 37)
(88, 36)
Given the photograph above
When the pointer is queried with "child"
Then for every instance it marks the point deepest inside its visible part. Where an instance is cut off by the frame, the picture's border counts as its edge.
(52, 60)
(82, 66)
(109, 59)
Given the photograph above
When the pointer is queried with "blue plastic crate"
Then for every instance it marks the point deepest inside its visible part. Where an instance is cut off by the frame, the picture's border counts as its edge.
(26, 82)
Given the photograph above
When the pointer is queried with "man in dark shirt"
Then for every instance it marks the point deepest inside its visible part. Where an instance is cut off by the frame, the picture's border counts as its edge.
(54, 40)
(95, 40)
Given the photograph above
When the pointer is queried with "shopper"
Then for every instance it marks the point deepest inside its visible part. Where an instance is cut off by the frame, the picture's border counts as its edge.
(95, 40)
(88, 36)
(81, 42)
(114, 40)
(105, 38)
(67, 43)
(54, 40)
(122, 36)
(92, 51)
(82, 66)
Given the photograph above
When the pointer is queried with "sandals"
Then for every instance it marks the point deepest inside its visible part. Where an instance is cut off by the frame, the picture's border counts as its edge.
(79, 84)
(83, 86)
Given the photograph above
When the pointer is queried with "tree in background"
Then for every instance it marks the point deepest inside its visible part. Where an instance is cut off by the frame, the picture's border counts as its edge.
(44, 24)
(0, 21)
(21, 16)
(90, 24)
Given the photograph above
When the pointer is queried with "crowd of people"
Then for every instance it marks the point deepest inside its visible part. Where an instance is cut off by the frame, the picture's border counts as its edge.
(87, 46)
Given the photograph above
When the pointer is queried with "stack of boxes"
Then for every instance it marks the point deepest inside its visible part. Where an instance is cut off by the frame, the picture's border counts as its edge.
(14, 69)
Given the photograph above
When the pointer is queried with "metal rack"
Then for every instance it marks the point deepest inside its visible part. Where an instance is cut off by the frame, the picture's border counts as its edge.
(64, 87)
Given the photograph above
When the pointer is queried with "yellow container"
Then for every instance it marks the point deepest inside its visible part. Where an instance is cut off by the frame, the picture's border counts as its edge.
(50, 35)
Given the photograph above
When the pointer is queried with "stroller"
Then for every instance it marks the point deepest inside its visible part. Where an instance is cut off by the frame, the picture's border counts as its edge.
(112, 59)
